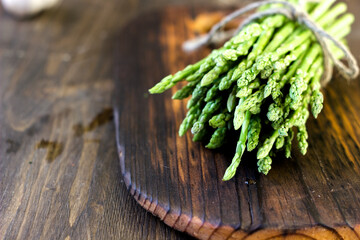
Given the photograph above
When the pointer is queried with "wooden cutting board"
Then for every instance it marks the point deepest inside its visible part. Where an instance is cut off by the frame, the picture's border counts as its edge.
(316, 196)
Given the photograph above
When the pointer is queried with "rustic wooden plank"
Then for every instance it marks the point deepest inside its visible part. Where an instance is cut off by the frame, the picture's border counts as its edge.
(307, 197)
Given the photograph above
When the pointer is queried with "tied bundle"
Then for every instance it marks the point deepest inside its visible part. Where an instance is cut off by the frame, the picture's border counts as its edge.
(264, 80)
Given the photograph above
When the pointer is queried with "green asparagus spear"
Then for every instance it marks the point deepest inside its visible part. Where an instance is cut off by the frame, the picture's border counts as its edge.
(264, 165)
(217, 139)
(220, 120)
(206, 114)
(302, 137)
(253, 133)
(185, 91)
(288, 141)
(240, 148)
(191, 117)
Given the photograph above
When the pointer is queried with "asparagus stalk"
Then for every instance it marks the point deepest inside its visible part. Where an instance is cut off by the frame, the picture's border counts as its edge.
(240, 148)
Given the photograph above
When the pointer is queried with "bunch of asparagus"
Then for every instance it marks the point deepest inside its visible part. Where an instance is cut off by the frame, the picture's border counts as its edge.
(262, 83)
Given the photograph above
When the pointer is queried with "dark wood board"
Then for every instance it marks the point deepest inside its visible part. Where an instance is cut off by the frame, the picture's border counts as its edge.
(316, 196)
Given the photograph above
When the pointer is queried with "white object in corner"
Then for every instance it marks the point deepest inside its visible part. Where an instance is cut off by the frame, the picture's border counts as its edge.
(27, 8)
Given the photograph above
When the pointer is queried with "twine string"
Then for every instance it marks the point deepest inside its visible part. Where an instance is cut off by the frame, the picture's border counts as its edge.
(292, 12)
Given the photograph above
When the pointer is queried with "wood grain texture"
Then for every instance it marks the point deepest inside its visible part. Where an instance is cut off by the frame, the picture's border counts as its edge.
(60, 176)
(316, 196)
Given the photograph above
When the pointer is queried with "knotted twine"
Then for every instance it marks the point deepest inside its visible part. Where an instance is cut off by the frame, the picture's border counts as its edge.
(292, 12)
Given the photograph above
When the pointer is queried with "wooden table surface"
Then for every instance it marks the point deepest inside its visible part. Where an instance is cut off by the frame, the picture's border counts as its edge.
(59, 170)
